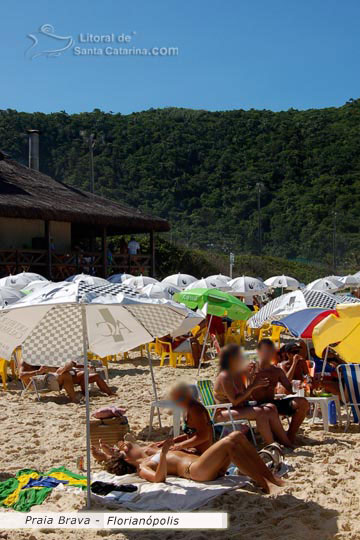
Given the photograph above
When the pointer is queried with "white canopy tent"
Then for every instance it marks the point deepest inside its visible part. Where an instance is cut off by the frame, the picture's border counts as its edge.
(19, 281)
(247, 286)
(181, 281)
(330, 284)
(282, 282)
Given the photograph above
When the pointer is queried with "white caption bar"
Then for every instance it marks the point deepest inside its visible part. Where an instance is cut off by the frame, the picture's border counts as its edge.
(119, 520)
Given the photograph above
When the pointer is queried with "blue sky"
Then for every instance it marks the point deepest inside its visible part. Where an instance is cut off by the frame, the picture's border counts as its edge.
(234, 54)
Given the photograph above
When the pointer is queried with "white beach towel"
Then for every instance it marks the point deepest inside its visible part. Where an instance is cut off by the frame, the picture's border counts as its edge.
(177, 494)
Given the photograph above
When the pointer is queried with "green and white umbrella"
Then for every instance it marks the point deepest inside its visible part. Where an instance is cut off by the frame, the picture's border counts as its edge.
(213, 302)
(217, 303)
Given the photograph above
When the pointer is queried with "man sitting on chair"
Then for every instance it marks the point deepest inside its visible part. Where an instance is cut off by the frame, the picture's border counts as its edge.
(47, 378)
(295, 407)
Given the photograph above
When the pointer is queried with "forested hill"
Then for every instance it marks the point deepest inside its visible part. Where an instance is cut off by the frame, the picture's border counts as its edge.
(199, 169)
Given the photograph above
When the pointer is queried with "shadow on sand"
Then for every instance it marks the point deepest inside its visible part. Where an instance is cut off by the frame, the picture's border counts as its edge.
(252, 516)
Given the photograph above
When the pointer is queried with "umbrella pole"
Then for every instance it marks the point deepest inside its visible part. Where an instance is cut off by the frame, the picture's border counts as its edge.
(87, 405)
(308, 349)
(204, 344)
(153, 381)
(324, 362)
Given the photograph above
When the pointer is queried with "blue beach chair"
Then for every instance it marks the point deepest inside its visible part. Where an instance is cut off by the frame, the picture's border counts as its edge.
(349, 382)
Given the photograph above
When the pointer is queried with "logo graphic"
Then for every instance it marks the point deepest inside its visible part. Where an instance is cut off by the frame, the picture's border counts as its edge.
(53, 44)
(112, 327)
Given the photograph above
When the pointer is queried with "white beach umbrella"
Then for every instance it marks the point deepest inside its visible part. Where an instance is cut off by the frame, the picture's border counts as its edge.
(139, 282)
(180, 281)
(350, 281)
(357, 275)
(295, 301)
(282, 282)
(9, 296)
(34, 286)
(155, 290)
(247, 286)
(330, 284)
(86, 278)
(52, 333)
(220, 276)
(19, 281)
(207, 283)
(119, 278)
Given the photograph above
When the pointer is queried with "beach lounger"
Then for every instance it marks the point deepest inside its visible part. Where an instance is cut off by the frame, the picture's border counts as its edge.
(349, 382)
(206, 394)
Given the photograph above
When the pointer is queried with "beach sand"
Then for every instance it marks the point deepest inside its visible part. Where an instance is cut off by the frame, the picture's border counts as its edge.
(321, 500)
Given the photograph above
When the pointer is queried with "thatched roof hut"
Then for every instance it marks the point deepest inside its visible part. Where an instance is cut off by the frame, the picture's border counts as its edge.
(30, 194)
(39, 213)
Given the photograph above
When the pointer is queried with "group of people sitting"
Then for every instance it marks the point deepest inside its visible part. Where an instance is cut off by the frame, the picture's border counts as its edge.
(251, 388)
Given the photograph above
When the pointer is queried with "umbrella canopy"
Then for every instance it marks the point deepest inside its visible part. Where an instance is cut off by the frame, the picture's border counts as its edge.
(282, 282)
(19, 281)
(341, 332)
(85, 278)
(9, 296)
(77, 291)
(206, 283)
(180, 281)
(216, 302)
(349, 281)
(52, 333)
(330, 283)
(34, 286)
(247, 286)
(302, 323)
(221, 277)
(139, 282)
(294, 301)
(155, 290)
(119, 278)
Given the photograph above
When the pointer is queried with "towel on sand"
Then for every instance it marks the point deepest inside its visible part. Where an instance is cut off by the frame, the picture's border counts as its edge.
(177, 494)
(15, 493)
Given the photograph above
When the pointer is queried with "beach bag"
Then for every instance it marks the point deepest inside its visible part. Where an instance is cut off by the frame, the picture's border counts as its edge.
(109, 430)
(109, 412)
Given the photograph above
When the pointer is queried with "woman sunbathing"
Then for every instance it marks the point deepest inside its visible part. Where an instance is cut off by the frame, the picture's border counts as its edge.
(214, 462)
(198, 431)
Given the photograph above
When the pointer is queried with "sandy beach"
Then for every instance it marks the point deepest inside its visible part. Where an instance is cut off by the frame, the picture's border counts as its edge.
(321, 500)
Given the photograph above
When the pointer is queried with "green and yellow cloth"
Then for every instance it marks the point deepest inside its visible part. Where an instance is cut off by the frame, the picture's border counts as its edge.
(14, 493)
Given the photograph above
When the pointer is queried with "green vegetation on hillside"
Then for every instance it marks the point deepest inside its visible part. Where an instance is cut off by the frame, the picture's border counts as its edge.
(199, 169)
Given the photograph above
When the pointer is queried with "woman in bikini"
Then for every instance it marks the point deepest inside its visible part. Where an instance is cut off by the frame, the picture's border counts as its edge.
(198, 431)
(129, 458)
(230, 387)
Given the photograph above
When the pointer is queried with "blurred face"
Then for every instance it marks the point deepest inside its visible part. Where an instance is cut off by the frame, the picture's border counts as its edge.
(181, 396)
(266, 353)
(131, 452)
(237, 363)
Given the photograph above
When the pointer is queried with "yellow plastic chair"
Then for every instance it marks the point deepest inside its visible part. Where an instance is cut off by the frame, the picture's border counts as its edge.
(275, 335)
(174, 358)
(264, 331)
(3, 372)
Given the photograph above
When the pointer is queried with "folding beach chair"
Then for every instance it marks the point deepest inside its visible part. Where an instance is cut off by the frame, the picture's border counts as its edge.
(31, 386)
(349, 382)
(206, 394)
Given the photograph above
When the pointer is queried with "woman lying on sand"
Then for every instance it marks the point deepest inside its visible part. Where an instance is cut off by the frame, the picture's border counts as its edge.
(198, 431)
(235, 448)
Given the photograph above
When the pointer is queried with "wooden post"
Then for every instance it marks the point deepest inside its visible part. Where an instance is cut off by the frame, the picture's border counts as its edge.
(104, 250)
(152, 254)
(48, 249)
